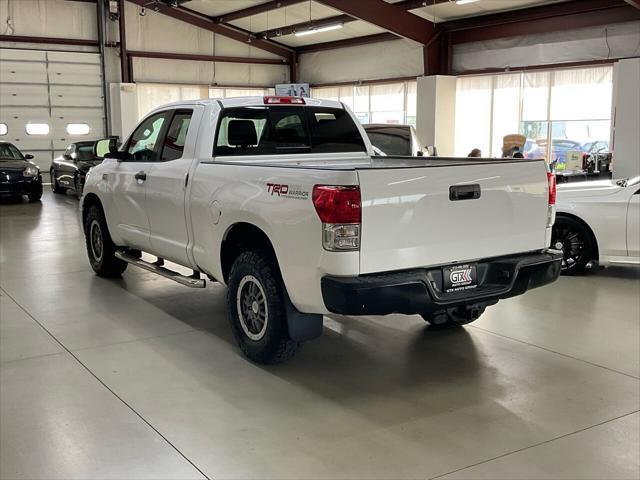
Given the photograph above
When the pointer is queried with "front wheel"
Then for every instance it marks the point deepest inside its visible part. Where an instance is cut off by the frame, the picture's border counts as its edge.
(256, 309)
(574, 240)
(100, 248)
(55, 186)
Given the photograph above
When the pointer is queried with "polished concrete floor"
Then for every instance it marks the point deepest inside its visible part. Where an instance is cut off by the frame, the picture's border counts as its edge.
(140, 378)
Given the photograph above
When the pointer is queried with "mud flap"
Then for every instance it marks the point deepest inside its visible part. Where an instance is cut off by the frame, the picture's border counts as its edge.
(302, 326)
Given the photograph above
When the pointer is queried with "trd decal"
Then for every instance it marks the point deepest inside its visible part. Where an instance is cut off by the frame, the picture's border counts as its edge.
(287, 191)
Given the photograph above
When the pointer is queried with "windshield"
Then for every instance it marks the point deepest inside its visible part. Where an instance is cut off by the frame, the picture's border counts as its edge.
(391, 143)
(9, 152)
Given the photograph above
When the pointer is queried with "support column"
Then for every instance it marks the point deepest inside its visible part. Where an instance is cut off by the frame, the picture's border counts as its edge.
(435, 116)
(124, 108)
(626, 118)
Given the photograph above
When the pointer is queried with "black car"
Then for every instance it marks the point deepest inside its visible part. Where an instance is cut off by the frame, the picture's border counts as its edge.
(18, 175)
(70, 169)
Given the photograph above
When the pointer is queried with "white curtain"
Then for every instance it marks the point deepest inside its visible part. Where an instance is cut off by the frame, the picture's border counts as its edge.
(506, 110)
(583, 94)
(473, 115)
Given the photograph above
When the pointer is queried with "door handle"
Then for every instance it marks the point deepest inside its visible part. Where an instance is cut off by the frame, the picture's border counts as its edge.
(140, 176)
(464, 192)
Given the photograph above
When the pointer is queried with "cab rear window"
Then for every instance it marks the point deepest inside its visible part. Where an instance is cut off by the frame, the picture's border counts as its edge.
(272, 130)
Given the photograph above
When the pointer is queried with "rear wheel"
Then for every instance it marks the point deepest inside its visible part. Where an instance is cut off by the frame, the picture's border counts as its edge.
(256, 309)
(100, 247)
(454, 317)
(574, 240)
(55, 186)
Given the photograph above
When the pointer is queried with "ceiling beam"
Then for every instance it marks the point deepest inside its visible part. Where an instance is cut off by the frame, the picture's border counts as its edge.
(201, 21)
(536, 20)
(319, 23)
(206, 58)
(49, 40)
(388, 16)
(348, 42)
(256, 9)
(634, 3)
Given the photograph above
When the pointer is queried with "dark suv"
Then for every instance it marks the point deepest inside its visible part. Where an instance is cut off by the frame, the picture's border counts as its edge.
(69, 170)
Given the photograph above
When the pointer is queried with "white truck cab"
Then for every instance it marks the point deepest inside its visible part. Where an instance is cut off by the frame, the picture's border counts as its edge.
(282, 200)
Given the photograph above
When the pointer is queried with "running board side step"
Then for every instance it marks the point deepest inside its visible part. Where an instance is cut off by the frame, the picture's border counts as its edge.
(160, 270)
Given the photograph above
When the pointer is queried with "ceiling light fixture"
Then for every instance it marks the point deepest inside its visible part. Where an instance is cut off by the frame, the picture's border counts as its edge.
(464, 2)
(312, 30)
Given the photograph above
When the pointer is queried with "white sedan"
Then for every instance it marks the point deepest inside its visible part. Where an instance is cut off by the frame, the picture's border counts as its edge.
(598, 221)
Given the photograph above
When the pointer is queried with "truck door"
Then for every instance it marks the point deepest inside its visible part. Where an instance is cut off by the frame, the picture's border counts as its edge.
(129, 180)
(166, 187)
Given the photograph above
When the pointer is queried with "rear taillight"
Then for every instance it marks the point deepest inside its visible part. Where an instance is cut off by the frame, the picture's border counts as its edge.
(278, 100)
(340, 211)
(551, 178)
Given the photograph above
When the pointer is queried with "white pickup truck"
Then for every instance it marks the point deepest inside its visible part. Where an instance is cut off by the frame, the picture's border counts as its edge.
(282, 200)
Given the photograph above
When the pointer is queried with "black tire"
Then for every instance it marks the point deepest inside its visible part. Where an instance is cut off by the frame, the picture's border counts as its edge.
(54, 184)
(255, 292)
(36, 194)
(100, 247)
(577, 245)
(453, 317)
(78, 186)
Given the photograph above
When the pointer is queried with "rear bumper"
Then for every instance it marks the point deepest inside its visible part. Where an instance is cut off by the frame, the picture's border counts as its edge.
(420, 291)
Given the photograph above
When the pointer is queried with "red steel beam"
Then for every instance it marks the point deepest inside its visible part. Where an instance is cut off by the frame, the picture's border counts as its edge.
(206, 58)
(348, 42)
(201, 21)
(125, 65)
(526, 26)
(290, 29)
(49, 40)
(256, 9)
(388, 16)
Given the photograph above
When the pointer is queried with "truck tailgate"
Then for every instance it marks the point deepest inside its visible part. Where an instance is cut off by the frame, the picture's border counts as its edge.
(427, 215)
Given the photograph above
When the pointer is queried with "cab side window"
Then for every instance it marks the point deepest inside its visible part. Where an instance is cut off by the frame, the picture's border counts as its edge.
(176, 136)
(143, 145)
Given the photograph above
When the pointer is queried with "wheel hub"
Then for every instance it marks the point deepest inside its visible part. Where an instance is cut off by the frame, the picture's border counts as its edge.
(253, 311)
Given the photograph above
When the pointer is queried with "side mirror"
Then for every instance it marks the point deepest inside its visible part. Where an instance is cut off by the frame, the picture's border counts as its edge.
(28, 156)
(107, 148)
(66, 156)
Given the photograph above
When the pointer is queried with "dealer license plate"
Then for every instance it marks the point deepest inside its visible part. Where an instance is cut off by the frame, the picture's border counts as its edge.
(459, 278)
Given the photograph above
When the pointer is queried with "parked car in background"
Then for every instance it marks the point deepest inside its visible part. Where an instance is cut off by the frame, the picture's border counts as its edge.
(599, 146)
(69, 170)
(559, 149)
(394, 139)
(18, 175)
(597, 221)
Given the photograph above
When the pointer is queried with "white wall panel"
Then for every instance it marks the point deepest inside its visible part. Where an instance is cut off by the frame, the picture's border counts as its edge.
(51, 18)
(599, 43)
(398, 58)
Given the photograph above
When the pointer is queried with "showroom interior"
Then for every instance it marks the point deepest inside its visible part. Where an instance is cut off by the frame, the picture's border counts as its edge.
(138, 376)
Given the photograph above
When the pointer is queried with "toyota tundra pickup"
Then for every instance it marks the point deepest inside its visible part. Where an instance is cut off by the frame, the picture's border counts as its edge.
(282, 200)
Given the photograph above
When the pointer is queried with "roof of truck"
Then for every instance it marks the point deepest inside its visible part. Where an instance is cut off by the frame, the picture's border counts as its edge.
(249, 102)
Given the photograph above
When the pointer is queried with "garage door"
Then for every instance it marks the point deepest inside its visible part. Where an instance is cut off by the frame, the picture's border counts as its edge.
(49, 99)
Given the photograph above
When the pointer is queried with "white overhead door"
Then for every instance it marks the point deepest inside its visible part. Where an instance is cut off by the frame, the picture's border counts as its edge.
(49, 99)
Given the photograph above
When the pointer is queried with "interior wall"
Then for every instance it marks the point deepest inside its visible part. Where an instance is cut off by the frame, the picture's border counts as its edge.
(586, 44)
(49, 18)
(626, 104)
(156, 32)
(394, 59)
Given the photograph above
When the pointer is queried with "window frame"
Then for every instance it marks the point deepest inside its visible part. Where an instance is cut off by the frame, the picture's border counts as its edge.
(174, 112)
